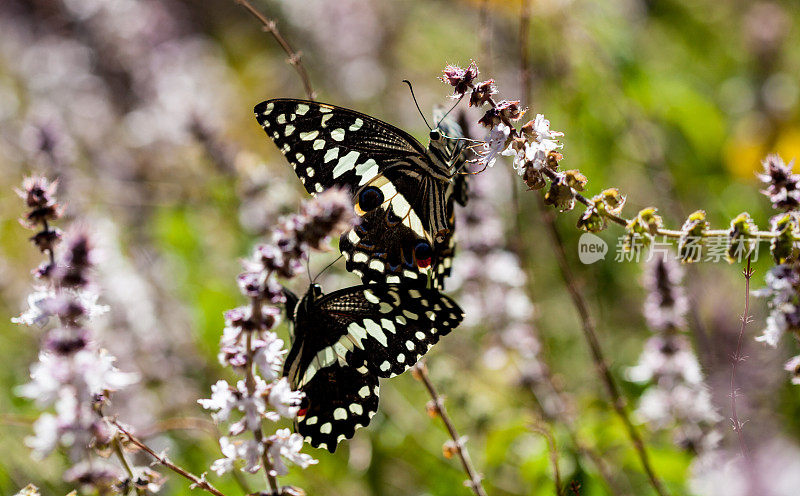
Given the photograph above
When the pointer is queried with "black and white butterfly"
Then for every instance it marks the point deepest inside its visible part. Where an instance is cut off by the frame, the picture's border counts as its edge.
(403, 192)
(345, 341)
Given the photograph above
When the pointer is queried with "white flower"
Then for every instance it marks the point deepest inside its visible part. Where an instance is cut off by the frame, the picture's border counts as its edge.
(776, 327)
(670, 359)
(535, 151)
(494, 145)
(224, 465)
(47, 377)
(249, 451)
(40, 307)
(793, 367)
(268, 356)
(45, 438)
(222, 400)
(38, 312)
(99, 373)
(285, 444)
(88, 300)
(541, 127)
(285, 401)
(254, 407)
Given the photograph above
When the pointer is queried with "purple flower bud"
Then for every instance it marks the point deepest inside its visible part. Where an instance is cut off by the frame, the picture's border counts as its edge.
(782, 185)
(66, 341)
(73, 267)
(47, 239)
(460, 79)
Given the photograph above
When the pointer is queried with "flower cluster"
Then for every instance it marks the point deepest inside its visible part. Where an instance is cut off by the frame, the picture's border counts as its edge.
(677, 395)
(72, 375)
(782, 290)
(783, 300)
(534, 146)
(781, 184)
(251, 348)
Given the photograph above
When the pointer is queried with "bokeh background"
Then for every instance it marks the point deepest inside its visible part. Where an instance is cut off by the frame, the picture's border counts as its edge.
(143, 110)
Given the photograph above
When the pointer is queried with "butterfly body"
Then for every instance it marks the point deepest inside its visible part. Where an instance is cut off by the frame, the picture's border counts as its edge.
(402, 191)
(345, 341)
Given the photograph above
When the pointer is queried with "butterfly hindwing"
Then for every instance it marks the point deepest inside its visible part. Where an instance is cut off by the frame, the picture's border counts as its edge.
(394, 324)
(345, 341)
(339, 400)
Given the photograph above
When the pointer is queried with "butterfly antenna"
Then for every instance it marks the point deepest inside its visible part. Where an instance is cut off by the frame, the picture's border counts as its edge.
(451, 109)
(308, 271)
(415, 102)
(326, 268)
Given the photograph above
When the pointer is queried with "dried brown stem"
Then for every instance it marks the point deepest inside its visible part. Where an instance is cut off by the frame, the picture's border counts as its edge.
(196, 481)
(578, 300)
(590, 334)
(737, 357)
(567, 422)
(294, 59)
(420, 371)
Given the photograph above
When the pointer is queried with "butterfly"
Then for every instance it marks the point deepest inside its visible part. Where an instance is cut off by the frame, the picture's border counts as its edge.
(343, 342)
(403, 192)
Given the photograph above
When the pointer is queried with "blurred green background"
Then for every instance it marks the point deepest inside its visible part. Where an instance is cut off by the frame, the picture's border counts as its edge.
(142, 109)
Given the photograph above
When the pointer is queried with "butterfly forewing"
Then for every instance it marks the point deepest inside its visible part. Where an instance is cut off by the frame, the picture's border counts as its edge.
(400, 194)
(329, 146)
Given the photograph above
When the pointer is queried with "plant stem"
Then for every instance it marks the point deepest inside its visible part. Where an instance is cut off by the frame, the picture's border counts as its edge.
(270, 26)
(551, 447)
(196, 481)
(250, 381)
(575, 293)
(590, 334)
(121, 456)
(737, 357)
(420, 371)
(562, 416)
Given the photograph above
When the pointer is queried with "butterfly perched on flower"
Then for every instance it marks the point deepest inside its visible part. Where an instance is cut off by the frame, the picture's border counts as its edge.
(403, 192)
(343, 342)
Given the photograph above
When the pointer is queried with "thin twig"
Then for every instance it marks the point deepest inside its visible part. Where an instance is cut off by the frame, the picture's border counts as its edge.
(484, 35)
(560, 415)
(551, 447)
(196, 481)
(271, 27)
(590, 334)
(420, 371)
(737, 357)
(524, 55)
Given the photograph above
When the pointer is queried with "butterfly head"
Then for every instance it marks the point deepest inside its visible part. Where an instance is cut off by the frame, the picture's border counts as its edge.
(314, 293)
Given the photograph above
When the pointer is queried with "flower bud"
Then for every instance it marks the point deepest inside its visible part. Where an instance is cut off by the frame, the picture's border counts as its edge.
(690, 244)
(740, 244)
(782, 245)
